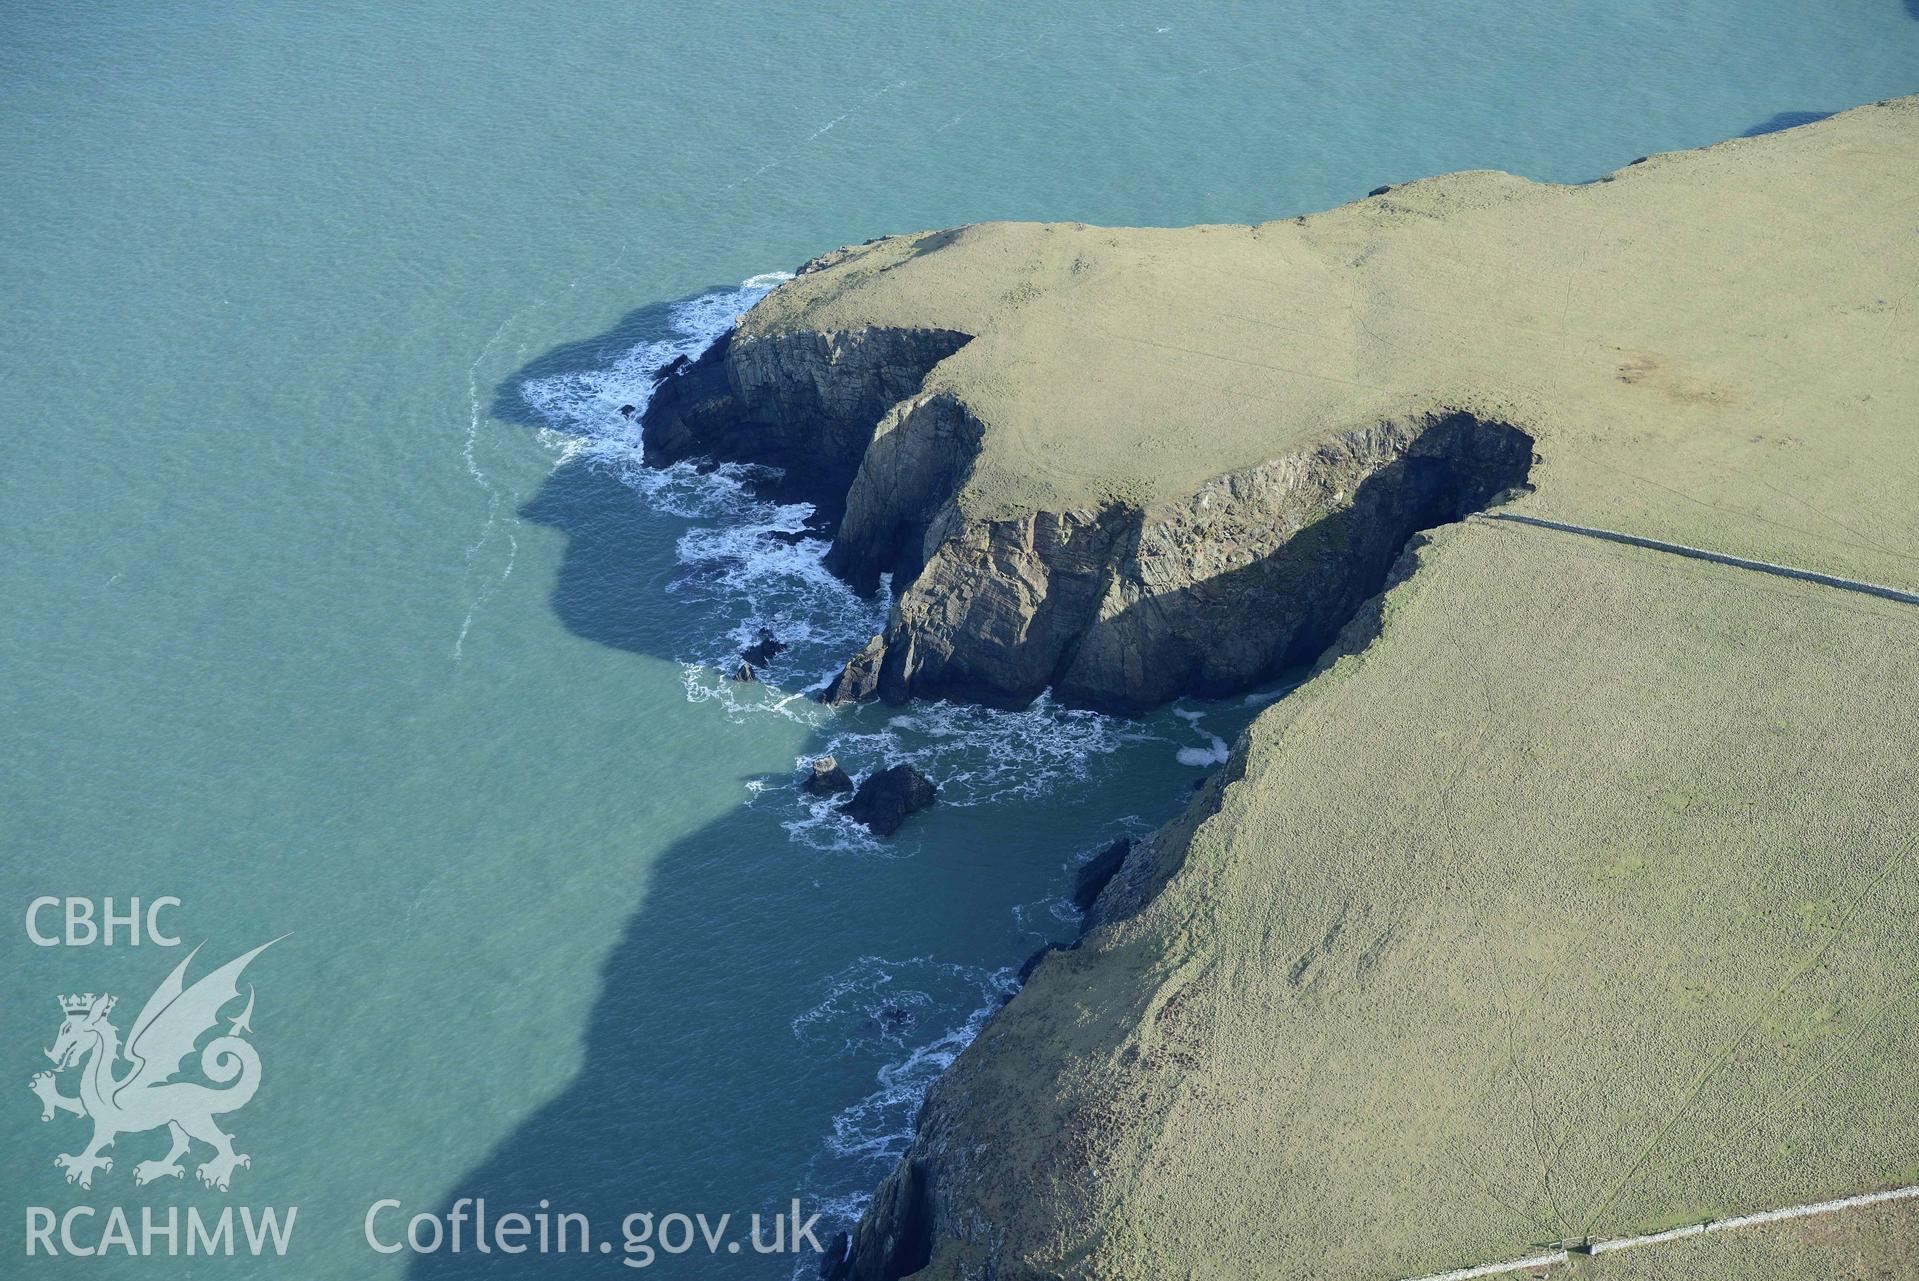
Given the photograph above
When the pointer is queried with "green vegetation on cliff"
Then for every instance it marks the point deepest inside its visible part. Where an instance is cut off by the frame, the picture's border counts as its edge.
(1582, 901)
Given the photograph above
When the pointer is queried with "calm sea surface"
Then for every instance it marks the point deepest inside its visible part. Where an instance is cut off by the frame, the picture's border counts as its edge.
(335, 607)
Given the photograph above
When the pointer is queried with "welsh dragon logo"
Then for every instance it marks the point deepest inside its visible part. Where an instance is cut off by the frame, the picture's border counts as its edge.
(145, 1096)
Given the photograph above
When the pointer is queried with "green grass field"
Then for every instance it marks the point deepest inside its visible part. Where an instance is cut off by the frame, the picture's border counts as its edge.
(1712, 347)
(1578, 898)
(1580, 902)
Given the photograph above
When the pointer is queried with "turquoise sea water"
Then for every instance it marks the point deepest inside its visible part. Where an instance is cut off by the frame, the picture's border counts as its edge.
(333, 606)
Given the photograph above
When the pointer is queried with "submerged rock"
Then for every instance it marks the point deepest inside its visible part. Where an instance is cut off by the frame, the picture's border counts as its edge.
(886, 798)
(827, 778)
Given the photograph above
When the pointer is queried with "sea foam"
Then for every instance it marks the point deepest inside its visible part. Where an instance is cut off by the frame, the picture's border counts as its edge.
(747, 568)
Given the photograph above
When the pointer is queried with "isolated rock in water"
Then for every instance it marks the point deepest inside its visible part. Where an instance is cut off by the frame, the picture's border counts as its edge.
(1096, 871)
(886, 798)
(764, 650)
(1071, 500)
(627, 411)
(746, 675)
(827, 777)
(836, 1263)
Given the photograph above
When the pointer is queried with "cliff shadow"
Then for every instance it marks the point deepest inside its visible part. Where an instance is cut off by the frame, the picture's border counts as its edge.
(737, 1024)
(683, 1100)
(611, 587)
(619, 569)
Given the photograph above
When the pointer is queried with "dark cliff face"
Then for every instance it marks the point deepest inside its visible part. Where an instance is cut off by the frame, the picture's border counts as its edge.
(895, 1235)
(1123, 610)
(1115, 608)
(805, 403)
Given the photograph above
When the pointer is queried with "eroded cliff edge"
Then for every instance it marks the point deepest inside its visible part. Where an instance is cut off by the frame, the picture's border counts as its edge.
(1134, 463)
(1112, 604)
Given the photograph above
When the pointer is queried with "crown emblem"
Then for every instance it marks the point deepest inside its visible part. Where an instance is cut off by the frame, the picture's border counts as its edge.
(78, 1003)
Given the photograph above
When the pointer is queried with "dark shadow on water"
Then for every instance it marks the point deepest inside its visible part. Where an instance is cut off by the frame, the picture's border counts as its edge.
(683, 1100)
(611, 586)
(693, 1092)
(1792, 119)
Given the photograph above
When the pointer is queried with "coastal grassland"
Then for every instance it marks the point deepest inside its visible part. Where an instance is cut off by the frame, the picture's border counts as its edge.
(1576, 897)
(1712, 347)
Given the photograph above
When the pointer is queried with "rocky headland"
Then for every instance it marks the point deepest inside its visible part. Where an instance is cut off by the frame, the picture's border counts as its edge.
(1449, 958)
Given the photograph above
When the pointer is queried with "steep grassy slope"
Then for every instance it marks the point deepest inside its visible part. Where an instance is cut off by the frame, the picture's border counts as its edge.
(1578, 898)
(1580, 901)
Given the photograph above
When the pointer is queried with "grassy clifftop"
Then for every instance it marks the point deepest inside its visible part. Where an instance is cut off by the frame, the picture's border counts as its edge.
(1580, 895)
(1707, 345)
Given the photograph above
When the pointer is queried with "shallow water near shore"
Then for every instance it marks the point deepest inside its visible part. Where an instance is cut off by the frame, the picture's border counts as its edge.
(339, 607)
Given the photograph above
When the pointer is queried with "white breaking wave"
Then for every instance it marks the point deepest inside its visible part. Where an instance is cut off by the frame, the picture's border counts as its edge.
(1216, 751)
(747, 567)
(916, 1015)
(469, 452)
(910, 1006)
(974, 755)
(582, 408)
